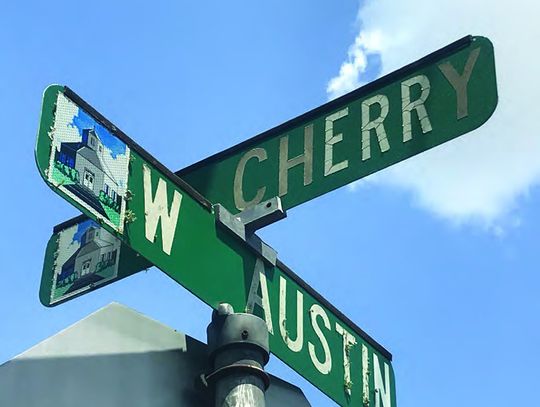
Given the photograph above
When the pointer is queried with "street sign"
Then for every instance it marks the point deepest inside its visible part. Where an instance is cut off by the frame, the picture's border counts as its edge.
(96, 167)
(411, 110)
(72, 243)
(461, 95)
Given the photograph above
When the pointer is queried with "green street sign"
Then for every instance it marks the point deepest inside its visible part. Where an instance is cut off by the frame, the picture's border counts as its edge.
(424, 104)
(427, 103)
(92, 164)
(69, 247)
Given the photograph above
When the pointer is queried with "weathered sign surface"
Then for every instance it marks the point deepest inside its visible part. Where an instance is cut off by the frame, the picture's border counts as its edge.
(96, 167)
(82, 241)
(448, 93)
(411, 110)
(433, 100)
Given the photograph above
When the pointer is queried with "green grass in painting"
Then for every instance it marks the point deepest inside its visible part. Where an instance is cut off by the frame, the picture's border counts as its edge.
(61, 178)
(60, 291)
(111, 214)
(107, 272)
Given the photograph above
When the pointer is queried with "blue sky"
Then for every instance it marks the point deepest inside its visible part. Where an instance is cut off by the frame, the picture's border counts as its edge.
(436, 258)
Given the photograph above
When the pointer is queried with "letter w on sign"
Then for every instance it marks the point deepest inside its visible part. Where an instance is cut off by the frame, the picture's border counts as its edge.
(157, 209)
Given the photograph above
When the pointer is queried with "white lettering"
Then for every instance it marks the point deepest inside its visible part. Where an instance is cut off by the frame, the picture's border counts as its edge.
(460, 82)
(157, 209)
(348, 342)
(365, 374)
(330, 140)
(296, 345)
(407, 106)
(306, 159)
(263, 300)
(239, 200)
(376, 124)
(325, 366)
(382, 392)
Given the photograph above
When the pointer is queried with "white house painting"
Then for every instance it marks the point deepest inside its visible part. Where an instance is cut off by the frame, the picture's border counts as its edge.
(88, 163)
(87, 256)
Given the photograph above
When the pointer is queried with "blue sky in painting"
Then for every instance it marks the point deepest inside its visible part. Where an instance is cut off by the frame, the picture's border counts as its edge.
(437, 259)
(84, 121)
(81, 228)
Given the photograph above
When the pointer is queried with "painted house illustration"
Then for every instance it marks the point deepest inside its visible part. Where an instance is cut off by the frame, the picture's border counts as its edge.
(94, 181)
(99, 250)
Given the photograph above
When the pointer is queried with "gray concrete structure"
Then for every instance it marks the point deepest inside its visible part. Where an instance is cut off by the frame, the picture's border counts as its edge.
(117, 357)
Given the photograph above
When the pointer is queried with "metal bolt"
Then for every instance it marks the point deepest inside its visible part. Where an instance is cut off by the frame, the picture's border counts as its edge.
(245, 334)
(225, 309)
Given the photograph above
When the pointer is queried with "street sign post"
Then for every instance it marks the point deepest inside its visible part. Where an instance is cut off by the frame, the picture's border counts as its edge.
(96, 167)
(411, 110)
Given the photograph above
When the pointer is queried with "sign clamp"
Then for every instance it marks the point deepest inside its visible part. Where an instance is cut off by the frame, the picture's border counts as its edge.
(246, 223)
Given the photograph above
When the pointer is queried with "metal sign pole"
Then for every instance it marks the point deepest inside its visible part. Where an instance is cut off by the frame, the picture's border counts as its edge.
(238, 351)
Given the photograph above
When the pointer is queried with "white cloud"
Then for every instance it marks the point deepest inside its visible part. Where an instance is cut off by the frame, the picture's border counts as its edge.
(479, 177)
(351, 70)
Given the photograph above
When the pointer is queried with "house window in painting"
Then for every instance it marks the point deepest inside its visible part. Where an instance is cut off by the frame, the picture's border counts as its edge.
(86, 267)
(88, 180)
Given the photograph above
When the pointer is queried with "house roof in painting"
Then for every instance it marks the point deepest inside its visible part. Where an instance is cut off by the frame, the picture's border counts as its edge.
(70, 146)
(87, 248)
(71, 261)
(92, 246)
(91, 156)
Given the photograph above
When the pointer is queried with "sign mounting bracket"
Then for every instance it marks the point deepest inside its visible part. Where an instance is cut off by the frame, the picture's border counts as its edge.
(246, 223)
